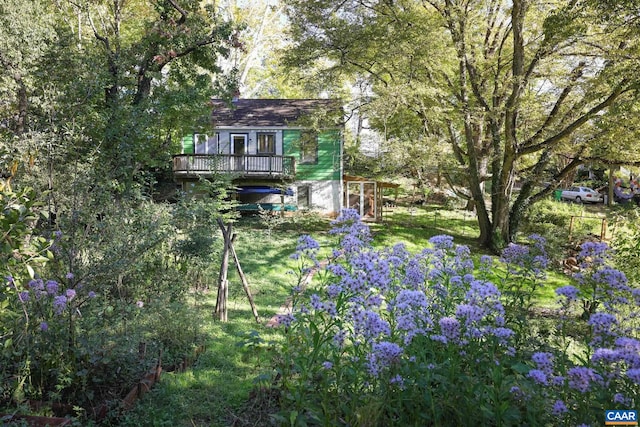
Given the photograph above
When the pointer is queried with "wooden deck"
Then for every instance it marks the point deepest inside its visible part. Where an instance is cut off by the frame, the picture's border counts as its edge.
(271, 166)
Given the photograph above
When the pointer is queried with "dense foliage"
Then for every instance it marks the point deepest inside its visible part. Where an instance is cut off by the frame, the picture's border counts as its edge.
(86, 311)
(386, 337)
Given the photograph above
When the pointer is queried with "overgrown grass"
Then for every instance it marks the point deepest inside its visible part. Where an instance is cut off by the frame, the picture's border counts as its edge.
(212, 392)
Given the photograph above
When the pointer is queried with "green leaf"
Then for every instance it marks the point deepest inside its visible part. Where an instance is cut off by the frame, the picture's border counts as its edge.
(521, 368)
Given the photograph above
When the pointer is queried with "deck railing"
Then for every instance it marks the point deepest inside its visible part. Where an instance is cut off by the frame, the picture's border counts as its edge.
(244, 165)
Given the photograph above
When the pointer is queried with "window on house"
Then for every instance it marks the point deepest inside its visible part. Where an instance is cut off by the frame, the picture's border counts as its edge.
(266, 143)
(304, 196)
(308, 147)
(200, 143)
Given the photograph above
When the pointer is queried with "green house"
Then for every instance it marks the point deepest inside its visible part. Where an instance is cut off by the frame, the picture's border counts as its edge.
(280, 153)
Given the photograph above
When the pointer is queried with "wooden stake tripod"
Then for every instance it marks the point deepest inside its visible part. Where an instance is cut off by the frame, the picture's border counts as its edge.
(223, 282)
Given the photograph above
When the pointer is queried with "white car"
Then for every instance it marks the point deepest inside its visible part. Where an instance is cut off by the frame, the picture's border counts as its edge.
(582, 195)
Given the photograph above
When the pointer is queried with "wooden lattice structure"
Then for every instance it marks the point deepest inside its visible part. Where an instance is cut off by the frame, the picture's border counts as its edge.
(367, 196)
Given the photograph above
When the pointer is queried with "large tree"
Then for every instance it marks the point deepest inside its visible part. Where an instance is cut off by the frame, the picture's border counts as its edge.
(509, 85)
(124, 80)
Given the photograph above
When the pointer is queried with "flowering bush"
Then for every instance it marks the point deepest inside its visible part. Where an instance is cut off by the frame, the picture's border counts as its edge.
(84, 326)
(391, 338)
(45, 348)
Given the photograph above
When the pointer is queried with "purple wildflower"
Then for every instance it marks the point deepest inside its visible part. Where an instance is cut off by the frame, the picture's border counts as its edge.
(316, 303)
(470, 313)
(559, 408)
(621, 398)
(306, 243)
(611, 277)
(595, 252)
(580, 378)
(481, 291)
(414, 274)
(382, 355)
(52, 287)
(605, 355)
(439, 338)
(538, 376)
(23, 296)
(602, 325)
(486, 262)
(339, 338)
(442, 241)
(514, 254)
(517, 392)
(59, 304)
(37, 286)
(356, 234)
(503, 334)
(285, 319)
(634, 375)
(70, 294)
(327, 365)
(450, 328)
(569, 292)
(397, 380)
(44, 326)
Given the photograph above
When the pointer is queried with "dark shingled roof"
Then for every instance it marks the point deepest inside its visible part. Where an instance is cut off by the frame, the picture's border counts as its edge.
(268, 112)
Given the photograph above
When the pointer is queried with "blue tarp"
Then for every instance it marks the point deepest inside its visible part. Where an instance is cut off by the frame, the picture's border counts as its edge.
(264, 190)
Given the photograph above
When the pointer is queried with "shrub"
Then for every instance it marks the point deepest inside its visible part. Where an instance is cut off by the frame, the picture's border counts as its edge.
(114, 296)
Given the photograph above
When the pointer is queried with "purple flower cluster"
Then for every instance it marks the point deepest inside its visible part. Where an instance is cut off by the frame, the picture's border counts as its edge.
(594, 253)
(355, 234)
(306, 246)
(527, 259)
(603, 327)
(569, 293)
(384, 312)
(411, 312)
(450, 328)
(600, 283)
(580, 378)
(625, 352)
(544, 362)
(383, 355)
(559, 408)
(442, 241)
(50, 294)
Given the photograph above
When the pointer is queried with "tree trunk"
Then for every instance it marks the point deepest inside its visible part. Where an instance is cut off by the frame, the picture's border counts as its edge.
(21, 124)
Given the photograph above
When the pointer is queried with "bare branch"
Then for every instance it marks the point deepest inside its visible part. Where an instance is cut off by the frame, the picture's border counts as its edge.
(577, 72)
(181, 11)
(620, 89)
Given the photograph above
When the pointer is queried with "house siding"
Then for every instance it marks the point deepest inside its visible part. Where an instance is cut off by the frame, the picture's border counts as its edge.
(187, 144)
(329, 162)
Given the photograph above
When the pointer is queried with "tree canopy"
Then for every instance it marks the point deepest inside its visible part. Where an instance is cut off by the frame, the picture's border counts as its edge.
(114, 82)
(522, 92)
